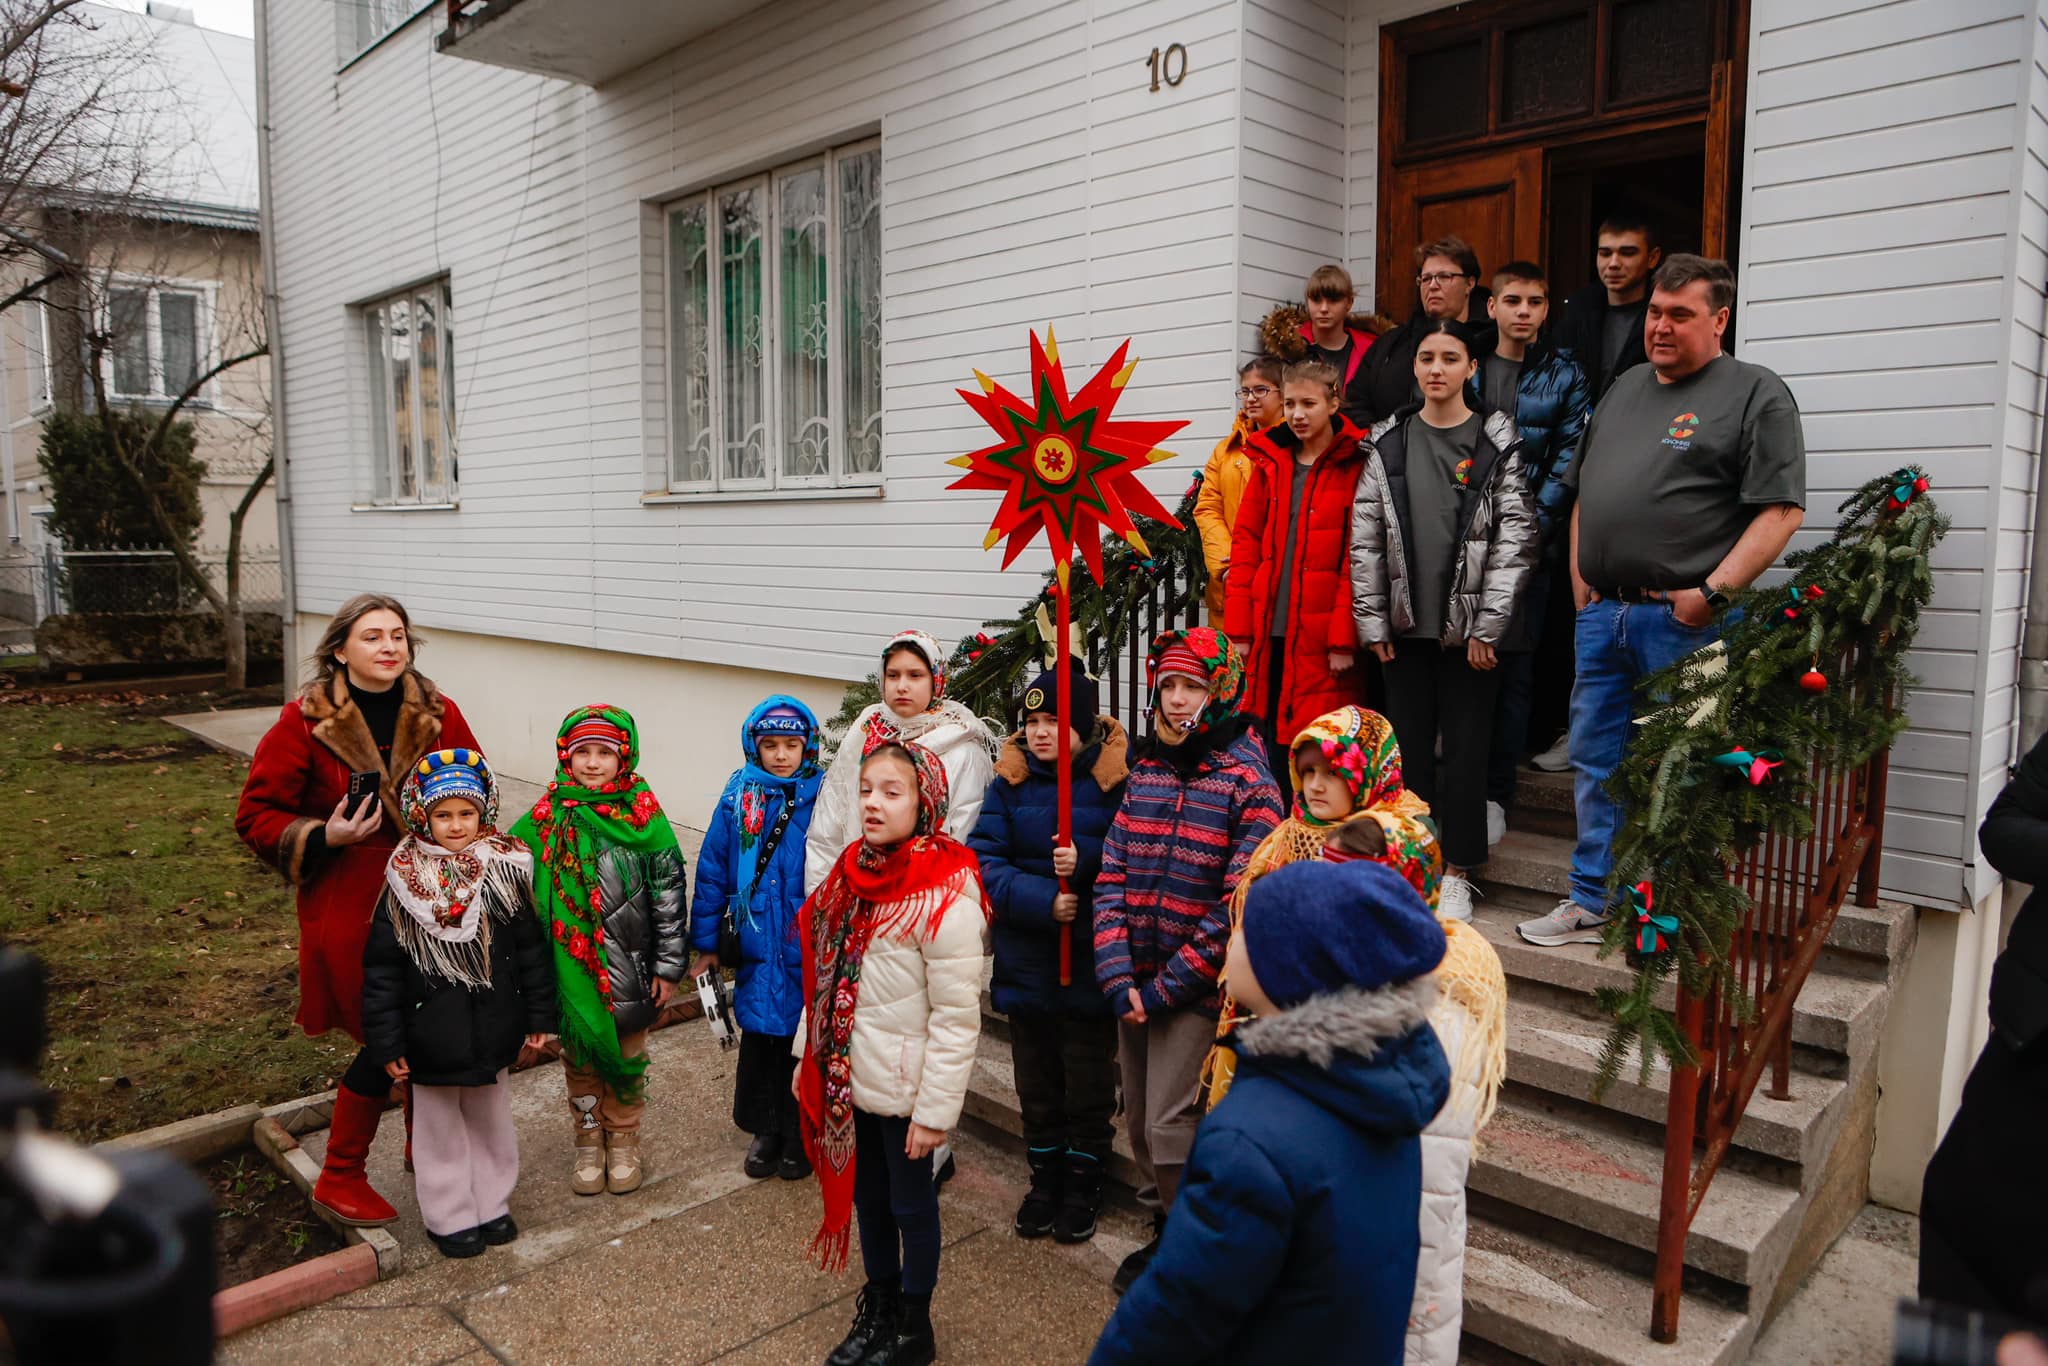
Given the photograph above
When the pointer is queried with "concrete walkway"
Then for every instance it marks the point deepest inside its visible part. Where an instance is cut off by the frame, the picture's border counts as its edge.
(700, 1264)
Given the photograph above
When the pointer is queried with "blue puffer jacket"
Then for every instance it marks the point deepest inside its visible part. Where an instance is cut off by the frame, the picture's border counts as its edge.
(1297, 1226)
(1014, 839)
(769, 996)
(1552, 401)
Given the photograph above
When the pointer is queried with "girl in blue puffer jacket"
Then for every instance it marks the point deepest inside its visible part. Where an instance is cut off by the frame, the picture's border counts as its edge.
(1062, 1038)
(753, 863)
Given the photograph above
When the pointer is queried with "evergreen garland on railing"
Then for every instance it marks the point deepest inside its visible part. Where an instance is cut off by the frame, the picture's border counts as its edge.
(1726, 753)
(988, 670)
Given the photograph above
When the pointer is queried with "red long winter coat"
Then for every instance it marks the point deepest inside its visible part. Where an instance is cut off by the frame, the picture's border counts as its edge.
(1319, 619)
(300, 770)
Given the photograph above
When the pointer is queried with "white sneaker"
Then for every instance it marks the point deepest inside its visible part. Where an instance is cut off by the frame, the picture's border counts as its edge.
(1496, 823)
(1557, 758)
(1454, 898)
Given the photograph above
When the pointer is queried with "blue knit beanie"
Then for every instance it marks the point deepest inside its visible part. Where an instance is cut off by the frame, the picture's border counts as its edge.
(1313, 927)
(1083, 696)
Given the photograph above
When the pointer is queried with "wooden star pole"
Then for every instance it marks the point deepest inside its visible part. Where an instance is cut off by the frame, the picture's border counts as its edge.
(1067, 467)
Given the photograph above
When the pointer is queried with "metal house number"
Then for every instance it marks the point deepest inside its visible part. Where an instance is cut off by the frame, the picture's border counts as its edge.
(1170, 66)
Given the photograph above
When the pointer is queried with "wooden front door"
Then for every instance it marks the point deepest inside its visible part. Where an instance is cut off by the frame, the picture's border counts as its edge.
(1518, 124)
(1494, 200)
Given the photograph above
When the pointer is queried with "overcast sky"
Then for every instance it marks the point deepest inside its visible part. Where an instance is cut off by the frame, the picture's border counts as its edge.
(229, 16)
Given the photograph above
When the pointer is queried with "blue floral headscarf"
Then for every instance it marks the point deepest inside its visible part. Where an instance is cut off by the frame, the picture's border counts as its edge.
(761, 792)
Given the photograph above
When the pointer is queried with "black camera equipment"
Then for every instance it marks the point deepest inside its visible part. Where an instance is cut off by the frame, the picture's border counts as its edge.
(104, 1257)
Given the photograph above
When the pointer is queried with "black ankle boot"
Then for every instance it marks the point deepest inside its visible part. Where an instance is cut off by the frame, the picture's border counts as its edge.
(912, 1344)
(1134, 1265)
(1080, 1196)
(1041, 1205)
(764, 1154)
(874, 1320)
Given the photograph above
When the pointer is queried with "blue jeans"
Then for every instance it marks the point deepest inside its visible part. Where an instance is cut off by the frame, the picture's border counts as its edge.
(1616, 646)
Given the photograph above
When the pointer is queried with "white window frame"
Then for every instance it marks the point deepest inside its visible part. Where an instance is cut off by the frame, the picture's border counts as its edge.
(385, 413)
(769, 184)
(205, 292)
(42, 379)
(350, 40)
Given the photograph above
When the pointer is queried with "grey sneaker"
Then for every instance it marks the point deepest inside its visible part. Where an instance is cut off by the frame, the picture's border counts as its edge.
(1567, 923)
(1557, 758)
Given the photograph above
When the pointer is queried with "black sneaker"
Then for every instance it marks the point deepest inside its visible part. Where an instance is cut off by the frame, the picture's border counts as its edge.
(943, 1165)
(1134, 1265)
(764, 1154)
(1041, 1205)
(498, 1231)
(874, 1321)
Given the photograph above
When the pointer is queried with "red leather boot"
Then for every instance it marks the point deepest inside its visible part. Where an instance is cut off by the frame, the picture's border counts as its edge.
(342, 1189)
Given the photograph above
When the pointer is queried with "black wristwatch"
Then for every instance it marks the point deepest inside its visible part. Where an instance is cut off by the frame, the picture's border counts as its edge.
(1717, 599)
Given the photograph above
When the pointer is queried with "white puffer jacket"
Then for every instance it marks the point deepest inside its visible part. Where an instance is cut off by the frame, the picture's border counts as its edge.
(1438, 1314)
(917, 1018)
(964, 746)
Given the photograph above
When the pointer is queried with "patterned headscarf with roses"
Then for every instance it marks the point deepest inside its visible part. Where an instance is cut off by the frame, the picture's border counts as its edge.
(567, 829)
(1360, 746)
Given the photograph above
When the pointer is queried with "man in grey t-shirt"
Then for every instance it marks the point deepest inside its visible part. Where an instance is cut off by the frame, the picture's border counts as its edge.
(1691, 481)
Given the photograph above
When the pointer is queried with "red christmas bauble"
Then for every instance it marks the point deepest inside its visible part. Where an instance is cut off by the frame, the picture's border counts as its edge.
(1920, 484)
(1813, 680)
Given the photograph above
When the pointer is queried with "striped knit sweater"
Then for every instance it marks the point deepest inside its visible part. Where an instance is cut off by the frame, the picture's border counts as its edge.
(1171, 858)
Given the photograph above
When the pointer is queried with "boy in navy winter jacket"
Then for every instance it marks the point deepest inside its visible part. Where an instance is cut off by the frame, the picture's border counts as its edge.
(753, 863)
(1062, 1037)
(1296, 1232)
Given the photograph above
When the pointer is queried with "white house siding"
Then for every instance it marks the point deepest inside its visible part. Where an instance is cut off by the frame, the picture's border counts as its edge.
(1880, 240)
(1030, 176)
(1292, 133)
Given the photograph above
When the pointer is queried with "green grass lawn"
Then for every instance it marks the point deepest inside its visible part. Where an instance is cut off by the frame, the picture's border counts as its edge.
(170, 951)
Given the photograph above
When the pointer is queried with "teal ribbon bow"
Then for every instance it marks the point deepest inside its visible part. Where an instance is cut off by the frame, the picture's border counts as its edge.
(1651, 928)
(1906, 483)
(1756, 767)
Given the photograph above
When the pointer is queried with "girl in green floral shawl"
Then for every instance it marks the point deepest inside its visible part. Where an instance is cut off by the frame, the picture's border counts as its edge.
(609, 887)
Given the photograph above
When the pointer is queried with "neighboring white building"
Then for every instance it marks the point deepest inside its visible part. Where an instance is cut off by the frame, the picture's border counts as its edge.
(176, 276)
(693, 286)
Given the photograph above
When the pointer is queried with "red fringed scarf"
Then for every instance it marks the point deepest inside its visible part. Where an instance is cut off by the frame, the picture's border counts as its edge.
(902, 892)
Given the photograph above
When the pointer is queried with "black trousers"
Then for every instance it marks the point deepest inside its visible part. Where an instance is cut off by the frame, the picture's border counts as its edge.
(896, 1204)
(1066, 1079)
(761, 1102)
(1981, 1200)
(1432, 694)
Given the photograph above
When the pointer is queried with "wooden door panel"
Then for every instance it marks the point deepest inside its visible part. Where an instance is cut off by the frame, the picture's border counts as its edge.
(1493, 200)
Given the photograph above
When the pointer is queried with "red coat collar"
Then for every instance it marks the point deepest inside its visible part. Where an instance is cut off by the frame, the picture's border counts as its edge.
(1361, 342)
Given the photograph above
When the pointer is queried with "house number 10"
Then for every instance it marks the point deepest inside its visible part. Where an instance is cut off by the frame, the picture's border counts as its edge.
(1170, 66)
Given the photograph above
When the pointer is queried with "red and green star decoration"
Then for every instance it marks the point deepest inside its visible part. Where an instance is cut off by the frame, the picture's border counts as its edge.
(1065, 463)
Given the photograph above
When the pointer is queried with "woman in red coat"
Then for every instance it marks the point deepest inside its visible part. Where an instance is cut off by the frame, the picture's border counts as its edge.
(367, 712)
(1288, 598)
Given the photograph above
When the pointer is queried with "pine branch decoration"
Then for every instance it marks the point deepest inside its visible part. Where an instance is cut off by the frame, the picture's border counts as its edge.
(1848, 615)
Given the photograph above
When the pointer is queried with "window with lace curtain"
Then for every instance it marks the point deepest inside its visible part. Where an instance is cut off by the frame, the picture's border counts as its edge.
(407, 341)
(774, 296)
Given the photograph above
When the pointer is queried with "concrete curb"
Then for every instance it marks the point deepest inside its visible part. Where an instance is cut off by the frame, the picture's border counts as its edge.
(296, 1163)
(198, 1139)
(296, 1287)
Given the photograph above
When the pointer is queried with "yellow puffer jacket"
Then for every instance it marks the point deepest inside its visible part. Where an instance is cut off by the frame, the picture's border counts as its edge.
(1223, 483)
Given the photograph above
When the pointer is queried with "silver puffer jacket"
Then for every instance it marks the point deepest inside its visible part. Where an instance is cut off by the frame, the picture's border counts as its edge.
(1497, 544)
(643, 899)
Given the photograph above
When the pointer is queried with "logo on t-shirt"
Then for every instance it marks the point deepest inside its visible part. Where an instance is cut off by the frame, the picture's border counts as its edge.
(1463, 472)
(1681, 431)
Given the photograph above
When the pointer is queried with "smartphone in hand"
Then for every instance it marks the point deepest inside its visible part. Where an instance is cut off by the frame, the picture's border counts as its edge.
(361, 787)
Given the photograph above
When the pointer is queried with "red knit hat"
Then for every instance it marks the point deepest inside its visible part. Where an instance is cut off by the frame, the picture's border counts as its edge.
(595, 730)
(1179, 658)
